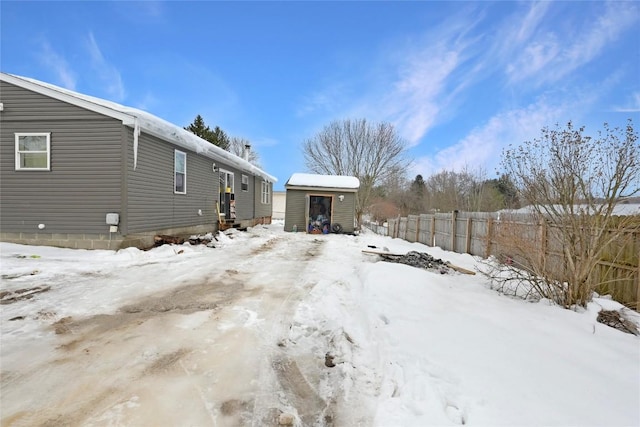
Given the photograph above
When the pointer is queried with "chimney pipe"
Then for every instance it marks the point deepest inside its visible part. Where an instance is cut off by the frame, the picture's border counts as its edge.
(247, 148)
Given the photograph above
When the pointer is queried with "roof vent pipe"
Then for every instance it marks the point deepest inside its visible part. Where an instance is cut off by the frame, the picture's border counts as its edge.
(247, 148)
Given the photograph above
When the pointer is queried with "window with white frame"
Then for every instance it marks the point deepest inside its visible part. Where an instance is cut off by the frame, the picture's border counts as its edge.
(245, 183)
(180, 172)
(266, 193)
(33, 151)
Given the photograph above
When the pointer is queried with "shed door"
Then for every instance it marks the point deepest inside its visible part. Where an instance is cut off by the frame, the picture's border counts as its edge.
(318, 211)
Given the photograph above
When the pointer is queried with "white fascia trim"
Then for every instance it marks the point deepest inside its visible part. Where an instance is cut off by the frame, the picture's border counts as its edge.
(321, 189)
(50, 91)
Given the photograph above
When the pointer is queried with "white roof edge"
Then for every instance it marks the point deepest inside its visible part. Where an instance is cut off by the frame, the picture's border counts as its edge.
(309, 180)
(318, 188)
(148, 122)
(66, 96)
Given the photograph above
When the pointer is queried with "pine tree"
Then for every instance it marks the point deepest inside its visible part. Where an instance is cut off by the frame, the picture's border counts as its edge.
(216, 136)
(220, 138)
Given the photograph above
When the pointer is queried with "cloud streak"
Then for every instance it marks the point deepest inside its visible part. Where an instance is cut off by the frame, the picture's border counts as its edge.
(543, 55)
(428, 77)
(58, 64)
(105, 71)
(484, 144)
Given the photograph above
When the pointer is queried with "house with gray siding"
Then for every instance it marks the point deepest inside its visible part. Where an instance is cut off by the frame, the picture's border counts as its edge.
(82, 172)
(320, 204)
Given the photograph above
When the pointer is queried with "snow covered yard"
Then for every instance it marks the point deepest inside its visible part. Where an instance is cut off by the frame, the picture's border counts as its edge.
(286, 328)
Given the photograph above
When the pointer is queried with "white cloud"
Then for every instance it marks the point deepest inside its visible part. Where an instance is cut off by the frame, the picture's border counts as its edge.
(416, 99)
(632, 106)
(412, 82)
(428, 76)
(108, 73)
(549, 54)
(535, 57)
(483, 146)
(326, 100)
(146, 102)
(525, 28)
(59, 65)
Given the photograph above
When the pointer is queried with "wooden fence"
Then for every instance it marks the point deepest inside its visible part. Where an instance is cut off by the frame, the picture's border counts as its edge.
(478, 233)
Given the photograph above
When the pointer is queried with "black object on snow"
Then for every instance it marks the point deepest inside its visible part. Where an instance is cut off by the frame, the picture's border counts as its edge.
(418, 260)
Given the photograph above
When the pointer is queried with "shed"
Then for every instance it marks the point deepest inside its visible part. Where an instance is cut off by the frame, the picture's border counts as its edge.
(82, 172)
(320, 204)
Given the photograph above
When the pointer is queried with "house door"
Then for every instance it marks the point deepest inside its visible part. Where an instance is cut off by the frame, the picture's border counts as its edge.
(319, 211)
(227, 195)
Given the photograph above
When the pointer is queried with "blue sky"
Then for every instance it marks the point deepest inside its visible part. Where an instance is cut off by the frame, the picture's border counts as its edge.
(459, 80)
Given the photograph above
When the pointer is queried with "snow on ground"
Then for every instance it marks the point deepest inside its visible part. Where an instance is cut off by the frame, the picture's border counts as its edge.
(286, 328)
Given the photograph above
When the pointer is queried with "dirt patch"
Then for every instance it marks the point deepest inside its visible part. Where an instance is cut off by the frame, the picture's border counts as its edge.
(61, 326)
(300, 393)
(266, 246)
(165, 362)
(9, 297)
(233, 406)
(17, 276)
(188, 299)
(183, 300)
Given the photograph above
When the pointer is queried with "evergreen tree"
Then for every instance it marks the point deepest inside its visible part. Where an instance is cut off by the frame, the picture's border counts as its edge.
(216, 136)
(220, 138)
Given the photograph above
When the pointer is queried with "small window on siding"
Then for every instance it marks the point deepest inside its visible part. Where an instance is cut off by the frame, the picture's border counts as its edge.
(266, 193)
(245, 183)
(33, 151)
(180, 172)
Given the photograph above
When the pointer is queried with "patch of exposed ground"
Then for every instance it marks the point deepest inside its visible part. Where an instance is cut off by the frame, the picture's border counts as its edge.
(9, 297)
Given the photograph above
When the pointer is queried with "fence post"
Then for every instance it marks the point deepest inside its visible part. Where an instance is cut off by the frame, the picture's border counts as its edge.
(432, 236)
(454, 218)
(489, 237)
(543, 244)
(469, 224)
(418, 229)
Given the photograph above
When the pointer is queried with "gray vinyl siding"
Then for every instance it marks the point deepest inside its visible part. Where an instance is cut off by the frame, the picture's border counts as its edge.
(151, 201)
(84, 182)
(344, 212)
(295, 211)
(262, 209)
(92, 174)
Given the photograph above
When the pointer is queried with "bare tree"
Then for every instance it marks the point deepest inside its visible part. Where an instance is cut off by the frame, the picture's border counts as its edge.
(573, 183)
(238, 146)
(357, 148)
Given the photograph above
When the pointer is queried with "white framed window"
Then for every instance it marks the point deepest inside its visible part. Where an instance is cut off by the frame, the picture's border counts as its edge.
(245, 183)
(266, 193)
(33, 151)
(179, 172)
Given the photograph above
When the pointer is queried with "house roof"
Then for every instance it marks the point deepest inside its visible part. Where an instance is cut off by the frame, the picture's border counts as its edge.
(323, 181)
(140, 119)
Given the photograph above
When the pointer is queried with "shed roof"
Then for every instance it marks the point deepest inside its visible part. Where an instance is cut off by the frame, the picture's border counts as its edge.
(323, 181)
(134, 117)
